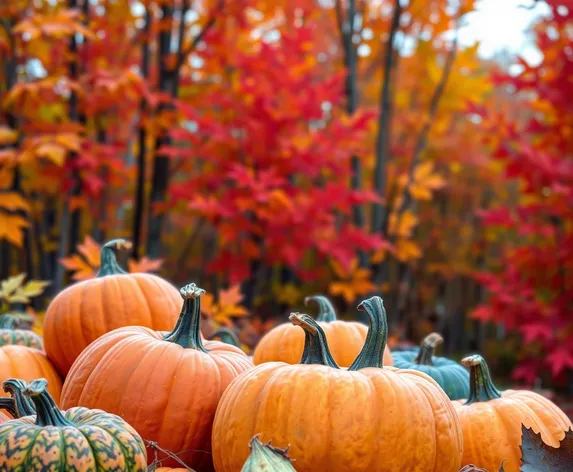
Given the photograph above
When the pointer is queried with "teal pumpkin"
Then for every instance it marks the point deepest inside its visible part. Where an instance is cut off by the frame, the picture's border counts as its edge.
(451, 376)
(10, 334)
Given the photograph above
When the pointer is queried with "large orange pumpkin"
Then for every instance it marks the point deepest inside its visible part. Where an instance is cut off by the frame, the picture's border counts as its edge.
(28, 363)
(166, 385)
(491, 420)
(84, 311)
(285, 342)
(362, 419)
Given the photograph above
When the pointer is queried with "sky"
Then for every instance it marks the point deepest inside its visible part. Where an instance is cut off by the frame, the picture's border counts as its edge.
(501, 25)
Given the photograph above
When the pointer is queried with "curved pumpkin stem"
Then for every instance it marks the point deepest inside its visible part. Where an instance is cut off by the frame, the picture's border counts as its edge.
(315, 345)
(482, 388)
(226, 335)
(18, 405)
(8, 322)
(187, 331)
(372, 352)
(108, 257)
(427, 348)
(326, 312)
(47, 413)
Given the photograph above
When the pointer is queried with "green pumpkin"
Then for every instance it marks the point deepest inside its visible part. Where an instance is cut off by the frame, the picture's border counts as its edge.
(10, 334)
(451, 376)
(78, 439)
(266, 458)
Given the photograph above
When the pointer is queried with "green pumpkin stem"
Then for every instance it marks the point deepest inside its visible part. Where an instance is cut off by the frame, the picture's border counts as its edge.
(187, 331)
(482, 388)
(372, 353)
(326, 312)
(47, 412)
(315, 345)
(8, 322)
(427, 348)
(108, 257)
(227, 336)
(18, 405)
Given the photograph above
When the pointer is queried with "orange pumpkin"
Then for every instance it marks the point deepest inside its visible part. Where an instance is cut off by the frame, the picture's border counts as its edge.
(84, 311)
(285, 342)
(491, 420)
(28, 364)
(362, 419)
(166, 385)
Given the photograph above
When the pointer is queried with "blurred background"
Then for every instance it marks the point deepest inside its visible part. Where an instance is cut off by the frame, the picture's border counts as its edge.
(273, 149)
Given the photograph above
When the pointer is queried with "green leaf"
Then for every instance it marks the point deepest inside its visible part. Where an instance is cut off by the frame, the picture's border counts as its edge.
(536, 456)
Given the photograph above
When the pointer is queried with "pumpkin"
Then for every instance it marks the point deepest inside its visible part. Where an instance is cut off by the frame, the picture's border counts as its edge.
(9, 334)
(86, 310)
(27, 363)
(285, 342)
(361, 419)
(451, 376)
(166, 385)
(78, 439)
(491, 420)
(18, 405)
(266, 458)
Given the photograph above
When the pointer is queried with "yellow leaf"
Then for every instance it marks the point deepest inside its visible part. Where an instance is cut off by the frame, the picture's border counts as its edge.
(11, 227)
(7, 136)
(13, 201)
(33, 288)
(11, 284)
(406, 225)
(288, 294)
(53, 152)
(407, 250)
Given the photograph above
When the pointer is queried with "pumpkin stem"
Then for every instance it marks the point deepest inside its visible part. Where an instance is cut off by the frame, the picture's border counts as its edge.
(315, 345)
(187, 331)
(372, 353)
(427, 348)
(8, 322)
(227, 336)
(108, 257)
(482, 388)
(47, 412)
(18, 405)
(326, 312)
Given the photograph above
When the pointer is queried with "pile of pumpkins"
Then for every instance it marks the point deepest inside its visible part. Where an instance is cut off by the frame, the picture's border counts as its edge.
(143, 386)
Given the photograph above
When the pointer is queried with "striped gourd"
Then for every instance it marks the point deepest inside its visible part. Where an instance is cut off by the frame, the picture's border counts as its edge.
(78, 439)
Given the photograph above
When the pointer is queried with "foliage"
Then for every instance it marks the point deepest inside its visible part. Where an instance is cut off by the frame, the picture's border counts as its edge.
(528, 284)
(536, 455)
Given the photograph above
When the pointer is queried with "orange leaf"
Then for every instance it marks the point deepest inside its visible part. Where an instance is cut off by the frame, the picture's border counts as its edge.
(11, 227)
(231, 296)
(144, 264)
(13, 201)
(7, 136)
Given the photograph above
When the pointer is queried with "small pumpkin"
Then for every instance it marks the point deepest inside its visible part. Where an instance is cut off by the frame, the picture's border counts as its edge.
(266, 458)
(284, 343)
(86, 310)
(362, 419)
(450, 375)
(491, 420)
(18, 405)
(27, 363)
(166, 385)
(10, 334)
(78, 439)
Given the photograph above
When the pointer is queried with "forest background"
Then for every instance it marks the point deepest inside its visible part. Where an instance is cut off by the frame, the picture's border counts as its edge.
(270, 150)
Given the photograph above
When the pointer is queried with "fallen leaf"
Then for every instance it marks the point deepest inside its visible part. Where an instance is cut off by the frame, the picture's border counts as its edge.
(536, 456)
